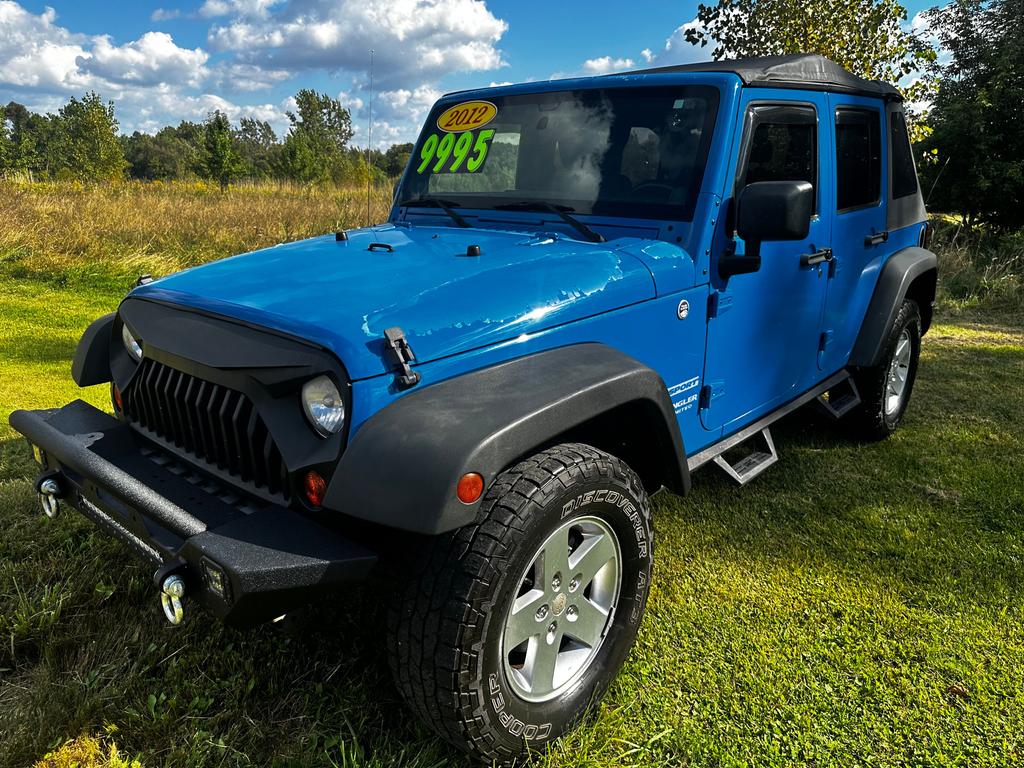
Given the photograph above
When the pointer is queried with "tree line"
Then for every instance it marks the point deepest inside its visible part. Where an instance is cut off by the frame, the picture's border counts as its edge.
(82, 142)
(966, 108)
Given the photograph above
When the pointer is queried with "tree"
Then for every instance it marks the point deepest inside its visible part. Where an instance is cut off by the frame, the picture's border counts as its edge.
(222, 162)
(85, 144)
(396, 158)
(258, 148)
(6, 147)
(320, 131)
(163, 156)
(974, 160)
(864, 36)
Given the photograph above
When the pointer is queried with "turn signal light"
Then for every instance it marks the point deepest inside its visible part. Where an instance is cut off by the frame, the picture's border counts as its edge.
(316, 488)
(470, 488)
(115, 394)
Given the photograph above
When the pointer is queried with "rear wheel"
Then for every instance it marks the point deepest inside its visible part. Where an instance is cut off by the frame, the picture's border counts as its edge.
(885, 388)
(509, 630)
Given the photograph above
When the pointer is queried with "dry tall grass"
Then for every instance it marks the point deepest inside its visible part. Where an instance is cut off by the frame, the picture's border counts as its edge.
(70, 232)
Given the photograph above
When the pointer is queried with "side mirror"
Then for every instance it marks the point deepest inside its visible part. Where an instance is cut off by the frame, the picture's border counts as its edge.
(768, 210)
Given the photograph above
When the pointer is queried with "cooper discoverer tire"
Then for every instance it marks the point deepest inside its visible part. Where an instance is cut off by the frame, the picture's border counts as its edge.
(483, 611)
(885, 388)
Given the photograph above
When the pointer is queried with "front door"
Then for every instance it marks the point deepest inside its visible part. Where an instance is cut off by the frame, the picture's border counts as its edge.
(764, 328)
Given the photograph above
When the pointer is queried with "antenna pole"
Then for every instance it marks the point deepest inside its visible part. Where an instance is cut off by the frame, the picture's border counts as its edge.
(369, 140)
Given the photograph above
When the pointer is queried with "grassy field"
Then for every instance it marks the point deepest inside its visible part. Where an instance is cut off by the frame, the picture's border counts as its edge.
(856, 605)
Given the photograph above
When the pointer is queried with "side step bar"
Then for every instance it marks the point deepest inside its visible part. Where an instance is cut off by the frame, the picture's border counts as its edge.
(840, 400)
(753, 465)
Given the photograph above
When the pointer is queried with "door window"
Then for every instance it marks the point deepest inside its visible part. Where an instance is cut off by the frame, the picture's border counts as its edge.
(858, 158)
(783, 145)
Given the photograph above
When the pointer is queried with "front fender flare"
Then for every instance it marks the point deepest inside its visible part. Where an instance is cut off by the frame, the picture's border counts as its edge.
(91, 363)
(402, 466)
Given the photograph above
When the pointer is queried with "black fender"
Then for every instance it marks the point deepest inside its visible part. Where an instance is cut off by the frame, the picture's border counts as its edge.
(91, 363)
(402, 466)
(898, 279)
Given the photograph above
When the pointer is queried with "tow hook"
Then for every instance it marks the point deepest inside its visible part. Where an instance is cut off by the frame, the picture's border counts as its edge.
(49, 490)
(172, 592)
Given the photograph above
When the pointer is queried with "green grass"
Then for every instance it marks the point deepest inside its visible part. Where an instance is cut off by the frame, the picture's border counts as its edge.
(856, 605)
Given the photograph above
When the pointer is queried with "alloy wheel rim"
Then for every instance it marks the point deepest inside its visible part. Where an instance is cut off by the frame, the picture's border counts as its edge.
(564, 604)
(899, 372)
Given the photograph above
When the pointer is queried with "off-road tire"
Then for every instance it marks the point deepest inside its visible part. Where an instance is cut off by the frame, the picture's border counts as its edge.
(870, 420)
(446, 622)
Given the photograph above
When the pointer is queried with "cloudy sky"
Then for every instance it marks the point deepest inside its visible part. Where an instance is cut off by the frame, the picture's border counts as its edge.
(163, 61)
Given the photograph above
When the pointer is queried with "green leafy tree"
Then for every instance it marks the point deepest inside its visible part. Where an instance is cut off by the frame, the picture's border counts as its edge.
(84, 144)
(866, 37)
(6, 146)
(258, 148)
(163, 156)
(396, 158)
(317, 138)
(222, 162)
(974, 160)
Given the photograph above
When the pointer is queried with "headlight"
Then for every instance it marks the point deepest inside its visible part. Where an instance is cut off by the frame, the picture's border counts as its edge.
(324, 406)
(131, 343)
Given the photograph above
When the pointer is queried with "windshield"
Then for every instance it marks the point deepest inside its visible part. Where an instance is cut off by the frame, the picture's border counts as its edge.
(632, 152)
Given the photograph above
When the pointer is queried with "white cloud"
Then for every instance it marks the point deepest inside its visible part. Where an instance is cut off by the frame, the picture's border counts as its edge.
(37, 55)
(411, 38)
(256, 8)
(605, 64)
(397, 114)
(153, 58)
(677, 50)
(248, 77)
(163, 14)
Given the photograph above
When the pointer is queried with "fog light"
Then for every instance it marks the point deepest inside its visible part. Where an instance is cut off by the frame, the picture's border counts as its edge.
(470, 488)
(316, 488)
(216, 580)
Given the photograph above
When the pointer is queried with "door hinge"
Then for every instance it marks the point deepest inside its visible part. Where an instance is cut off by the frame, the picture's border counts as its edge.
(401, 355)
(719, 303)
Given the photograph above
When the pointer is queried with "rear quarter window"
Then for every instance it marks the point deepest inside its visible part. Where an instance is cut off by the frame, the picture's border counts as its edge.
(904, 175)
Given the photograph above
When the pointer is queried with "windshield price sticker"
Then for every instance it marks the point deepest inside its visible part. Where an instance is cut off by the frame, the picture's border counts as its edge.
(467, 116)
(455, 153)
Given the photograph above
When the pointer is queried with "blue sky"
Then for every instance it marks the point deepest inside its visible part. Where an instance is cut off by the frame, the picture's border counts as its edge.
(163, 61)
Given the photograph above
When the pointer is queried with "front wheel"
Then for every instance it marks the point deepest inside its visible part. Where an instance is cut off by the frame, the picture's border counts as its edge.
(509, 630)
(885, 388)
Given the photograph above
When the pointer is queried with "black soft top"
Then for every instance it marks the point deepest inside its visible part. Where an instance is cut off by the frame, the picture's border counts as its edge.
(805, 71)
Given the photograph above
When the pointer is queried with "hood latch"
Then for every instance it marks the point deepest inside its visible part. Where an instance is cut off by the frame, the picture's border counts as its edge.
(401, 355)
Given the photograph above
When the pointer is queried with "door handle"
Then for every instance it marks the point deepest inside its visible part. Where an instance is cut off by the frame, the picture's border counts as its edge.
(810, 259)
(876, 239)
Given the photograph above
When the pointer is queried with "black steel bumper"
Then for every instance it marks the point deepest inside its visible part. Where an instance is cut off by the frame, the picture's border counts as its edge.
(245, 560)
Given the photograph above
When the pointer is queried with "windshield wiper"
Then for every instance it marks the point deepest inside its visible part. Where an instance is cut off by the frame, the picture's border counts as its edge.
(562, 211)
(445, 205)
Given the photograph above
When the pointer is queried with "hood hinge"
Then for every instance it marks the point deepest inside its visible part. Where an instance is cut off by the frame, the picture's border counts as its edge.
(401, 355)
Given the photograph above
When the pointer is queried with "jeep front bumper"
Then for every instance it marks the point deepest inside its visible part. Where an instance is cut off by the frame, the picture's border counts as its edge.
(245, 561)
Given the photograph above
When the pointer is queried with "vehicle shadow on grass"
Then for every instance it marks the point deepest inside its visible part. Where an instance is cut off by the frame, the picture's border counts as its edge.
(937, 509)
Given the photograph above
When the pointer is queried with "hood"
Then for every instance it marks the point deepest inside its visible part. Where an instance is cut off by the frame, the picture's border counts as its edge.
(342, 295)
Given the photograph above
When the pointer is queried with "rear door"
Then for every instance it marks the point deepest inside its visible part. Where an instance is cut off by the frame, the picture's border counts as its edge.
(764, 328)
(854, 202)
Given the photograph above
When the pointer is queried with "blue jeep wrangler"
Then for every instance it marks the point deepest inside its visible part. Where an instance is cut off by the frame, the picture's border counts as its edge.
(585, 291)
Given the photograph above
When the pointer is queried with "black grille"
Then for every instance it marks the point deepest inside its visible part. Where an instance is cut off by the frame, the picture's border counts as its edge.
(216, 425)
